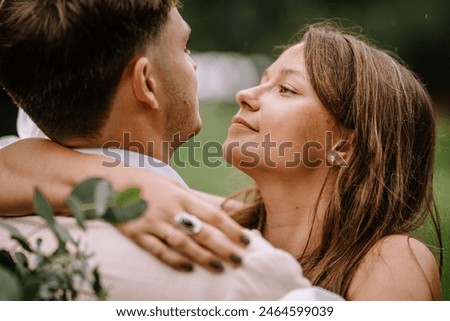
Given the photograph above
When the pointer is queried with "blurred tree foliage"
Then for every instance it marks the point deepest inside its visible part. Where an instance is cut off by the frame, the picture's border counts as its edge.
(417, 30)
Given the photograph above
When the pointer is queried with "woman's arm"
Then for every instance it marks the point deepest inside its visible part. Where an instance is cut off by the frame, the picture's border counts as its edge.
(55, 170)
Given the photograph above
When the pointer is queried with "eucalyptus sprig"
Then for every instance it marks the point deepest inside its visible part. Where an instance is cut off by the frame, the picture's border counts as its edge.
(31, 274)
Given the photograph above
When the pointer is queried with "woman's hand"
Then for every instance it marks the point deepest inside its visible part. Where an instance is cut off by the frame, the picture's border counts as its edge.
(220, 239)
(56, 170)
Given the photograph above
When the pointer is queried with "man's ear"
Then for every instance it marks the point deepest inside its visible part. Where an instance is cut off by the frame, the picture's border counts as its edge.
(143, 83)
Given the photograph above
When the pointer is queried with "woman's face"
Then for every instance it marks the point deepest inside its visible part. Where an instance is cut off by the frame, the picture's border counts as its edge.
(281, 123)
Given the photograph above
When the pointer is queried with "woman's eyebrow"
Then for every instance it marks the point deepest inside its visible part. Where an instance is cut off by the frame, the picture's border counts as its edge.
(286, 72)
(290, 71)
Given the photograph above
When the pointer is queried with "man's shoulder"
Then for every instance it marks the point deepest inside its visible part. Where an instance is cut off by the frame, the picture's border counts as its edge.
(130, 273)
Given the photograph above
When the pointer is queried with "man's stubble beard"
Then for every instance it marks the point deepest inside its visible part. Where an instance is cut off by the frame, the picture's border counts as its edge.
(180, 126)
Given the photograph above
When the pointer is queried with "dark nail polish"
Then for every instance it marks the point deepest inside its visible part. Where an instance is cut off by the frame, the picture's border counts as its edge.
(244, 240)
(216, 265)
(188, 267)
(235, 259)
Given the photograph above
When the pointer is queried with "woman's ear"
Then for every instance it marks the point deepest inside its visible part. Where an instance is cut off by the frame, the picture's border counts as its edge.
(143, 83)
(339, 154)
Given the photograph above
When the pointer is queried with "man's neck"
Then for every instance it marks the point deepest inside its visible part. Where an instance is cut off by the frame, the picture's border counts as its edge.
(158, 149)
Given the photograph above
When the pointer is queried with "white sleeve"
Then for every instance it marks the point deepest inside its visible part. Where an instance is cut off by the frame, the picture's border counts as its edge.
(6, 140)
(26, 128)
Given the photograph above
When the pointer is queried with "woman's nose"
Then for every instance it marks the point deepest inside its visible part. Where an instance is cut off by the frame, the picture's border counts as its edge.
(248, 98)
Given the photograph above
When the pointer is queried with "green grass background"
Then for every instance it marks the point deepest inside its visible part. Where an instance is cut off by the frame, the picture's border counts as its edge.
(223, 179)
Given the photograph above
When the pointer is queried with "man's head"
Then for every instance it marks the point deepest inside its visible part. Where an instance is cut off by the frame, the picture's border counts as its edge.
(63, 62)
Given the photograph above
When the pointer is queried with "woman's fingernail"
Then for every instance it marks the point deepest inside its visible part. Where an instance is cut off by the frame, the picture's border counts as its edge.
(244, 239)
(216, 265)
(188, 267)
(235, 259)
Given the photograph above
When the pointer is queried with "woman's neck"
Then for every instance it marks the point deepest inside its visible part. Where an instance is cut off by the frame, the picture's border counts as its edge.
(295, 207)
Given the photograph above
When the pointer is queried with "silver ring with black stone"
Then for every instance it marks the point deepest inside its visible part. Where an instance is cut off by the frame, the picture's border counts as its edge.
(188, 223)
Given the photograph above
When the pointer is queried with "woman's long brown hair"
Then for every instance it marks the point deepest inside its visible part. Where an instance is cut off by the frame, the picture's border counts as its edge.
(387, 187)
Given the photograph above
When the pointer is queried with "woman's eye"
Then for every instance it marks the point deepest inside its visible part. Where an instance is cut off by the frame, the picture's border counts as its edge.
(285, 90)
(186, 50)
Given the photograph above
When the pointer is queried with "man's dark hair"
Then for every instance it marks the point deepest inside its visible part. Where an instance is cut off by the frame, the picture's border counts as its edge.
(61, 60)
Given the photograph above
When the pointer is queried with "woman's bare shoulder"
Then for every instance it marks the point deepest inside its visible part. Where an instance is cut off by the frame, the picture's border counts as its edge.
(398, 267)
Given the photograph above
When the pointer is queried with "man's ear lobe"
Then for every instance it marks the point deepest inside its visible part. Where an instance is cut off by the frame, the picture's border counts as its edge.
(143, 83)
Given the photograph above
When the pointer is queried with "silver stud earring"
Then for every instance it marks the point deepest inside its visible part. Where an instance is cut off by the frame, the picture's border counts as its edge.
(331, 158)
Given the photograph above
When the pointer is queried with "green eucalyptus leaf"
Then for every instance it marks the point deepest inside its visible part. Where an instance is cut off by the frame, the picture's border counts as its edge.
(76, 207)
(6, 261)
(102, 195)
(31, 287)
(121, 214)
(21, 259)
(43, 208)
(127, 197)
(62, 234)
(91, 198)
(86, 189)
(85, 211)
(10, 289)
(99, 291)
(16, 235)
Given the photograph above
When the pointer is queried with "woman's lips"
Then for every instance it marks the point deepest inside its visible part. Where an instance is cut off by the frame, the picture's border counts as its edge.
(240, 120)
